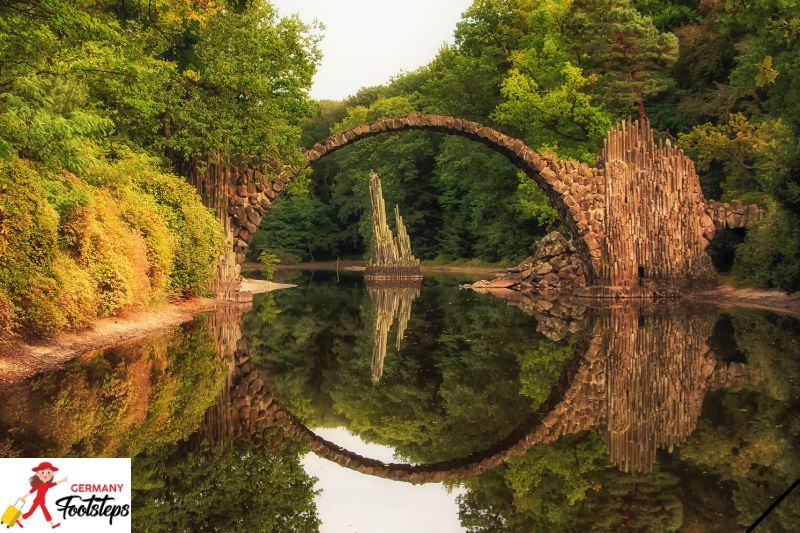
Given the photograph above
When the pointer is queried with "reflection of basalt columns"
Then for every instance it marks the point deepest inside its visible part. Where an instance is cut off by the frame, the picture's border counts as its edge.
(391, 256)
(555, 318)
(388, 302)
(657, 371)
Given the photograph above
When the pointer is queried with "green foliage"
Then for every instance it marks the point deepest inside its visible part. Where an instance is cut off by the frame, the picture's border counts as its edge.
(93, 96)
(770, 254)
(550, 480)
(198, 238)
(560, 118)
(241, 490)
(741, 158)
(74, 251)
(631, 56)
(296, 229)
(243, 89)
(668, 15)
(495, 218)
(268, 260)
(567, 486)
(541, 366)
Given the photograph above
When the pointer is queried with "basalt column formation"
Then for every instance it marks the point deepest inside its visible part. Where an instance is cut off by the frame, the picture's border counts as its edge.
(655, 214)
(391, 257)
(239, 196)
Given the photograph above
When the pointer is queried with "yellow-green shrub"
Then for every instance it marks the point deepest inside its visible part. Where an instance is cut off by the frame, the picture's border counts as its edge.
(76, 248)
(168, 212)
(122, 401)
(28, 237)
(140, 213)
(6, 317)
(116, 258)
(78, 298)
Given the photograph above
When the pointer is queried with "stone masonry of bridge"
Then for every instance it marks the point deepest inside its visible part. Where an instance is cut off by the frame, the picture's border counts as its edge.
(638, 373)
(638, 218)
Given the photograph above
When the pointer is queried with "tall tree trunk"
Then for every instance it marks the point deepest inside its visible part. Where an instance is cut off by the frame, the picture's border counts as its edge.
(642, 113)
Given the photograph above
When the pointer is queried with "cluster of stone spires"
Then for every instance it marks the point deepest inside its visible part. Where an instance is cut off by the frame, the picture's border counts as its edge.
(391, 255)
(393, 276)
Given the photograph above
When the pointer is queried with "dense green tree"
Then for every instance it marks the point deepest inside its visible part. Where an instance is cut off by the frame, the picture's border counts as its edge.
(241, 490)
(629, 54)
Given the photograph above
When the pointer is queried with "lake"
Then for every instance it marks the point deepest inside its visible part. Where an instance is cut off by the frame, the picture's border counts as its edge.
(340, 406)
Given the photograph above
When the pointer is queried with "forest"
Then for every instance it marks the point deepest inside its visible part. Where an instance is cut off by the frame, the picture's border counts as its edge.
(100, 100)
(716, 76)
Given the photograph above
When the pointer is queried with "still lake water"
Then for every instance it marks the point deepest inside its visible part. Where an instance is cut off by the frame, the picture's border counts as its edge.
(334, 406)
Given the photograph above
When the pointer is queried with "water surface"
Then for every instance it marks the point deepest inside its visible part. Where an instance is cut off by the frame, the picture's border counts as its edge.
(340, 407)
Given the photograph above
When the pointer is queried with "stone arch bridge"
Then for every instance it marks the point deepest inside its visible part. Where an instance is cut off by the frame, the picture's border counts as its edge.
(640, 374)
(639, 218)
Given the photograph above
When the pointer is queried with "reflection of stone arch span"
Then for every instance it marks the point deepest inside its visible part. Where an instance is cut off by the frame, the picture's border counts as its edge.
(639, 374)
(254, 415)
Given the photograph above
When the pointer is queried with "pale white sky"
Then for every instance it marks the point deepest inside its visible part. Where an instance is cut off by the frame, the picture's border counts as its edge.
(351, 502)
(366, 42)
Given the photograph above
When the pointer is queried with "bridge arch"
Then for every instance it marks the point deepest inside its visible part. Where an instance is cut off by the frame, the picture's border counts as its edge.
(565, 183)
(574, 189)
(639, 220)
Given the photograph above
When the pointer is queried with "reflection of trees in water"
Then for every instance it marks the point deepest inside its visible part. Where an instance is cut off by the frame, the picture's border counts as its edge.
(658, 373)
(390, 302)
(146, 400)
(455, 389)
(647, 386)
(121, 401)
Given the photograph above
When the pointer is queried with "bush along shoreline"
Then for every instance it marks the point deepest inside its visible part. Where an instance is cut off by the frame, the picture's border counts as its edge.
(123, 235)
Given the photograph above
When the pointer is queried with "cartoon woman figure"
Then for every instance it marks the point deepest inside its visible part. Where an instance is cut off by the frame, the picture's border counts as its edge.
(41, 482)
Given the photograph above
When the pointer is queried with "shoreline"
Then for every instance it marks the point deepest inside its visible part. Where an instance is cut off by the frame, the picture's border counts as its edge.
(728, 296)
(358, 266)
(20, 359)
(724, 296)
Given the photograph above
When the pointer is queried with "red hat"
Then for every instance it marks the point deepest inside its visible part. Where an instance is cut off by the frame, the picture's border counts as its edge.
(43, 466)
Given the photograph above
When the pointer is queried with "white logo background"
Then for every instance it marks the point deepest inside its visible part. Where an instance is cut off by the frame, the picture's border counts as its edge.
(14, 476)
